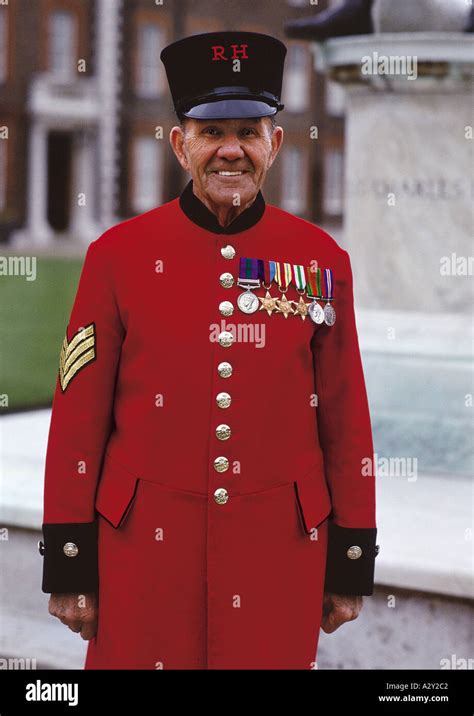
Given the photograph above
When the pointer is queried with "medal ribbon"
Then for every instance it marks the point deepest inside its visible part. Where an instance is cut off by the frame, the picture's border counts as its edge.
(267, 270)
(328, 282)
(248, 268)
(313, 287)
(283, 278)
(300, 276)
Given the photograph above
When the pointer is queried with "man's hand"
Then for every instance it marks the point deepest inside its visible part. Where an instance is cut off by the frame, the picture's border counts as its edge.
(338, 609)
(78, 611)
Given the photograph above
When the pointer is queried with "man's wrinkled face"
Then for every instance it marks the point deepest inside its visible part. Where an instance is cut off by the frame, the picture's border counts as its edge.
(227, 157)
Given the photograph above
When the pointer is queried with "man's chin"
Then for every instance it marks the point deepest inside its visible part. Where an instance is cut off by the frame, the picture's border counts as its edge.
(222, 191)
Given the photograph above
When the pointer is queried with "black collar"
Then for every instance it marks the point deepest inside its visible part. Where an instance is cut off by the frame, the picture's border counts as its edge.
(200, 214)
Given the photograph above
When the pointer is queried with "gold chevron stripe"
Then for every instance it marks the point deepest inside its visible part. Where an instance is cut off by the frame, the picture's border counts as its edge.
(76, 354)
(81, 348)
(86, 358)
(80, 336)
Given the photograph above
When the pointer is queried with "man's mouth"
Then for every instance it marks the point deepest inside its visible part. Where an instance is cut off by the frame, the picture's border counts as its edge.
(229, 174)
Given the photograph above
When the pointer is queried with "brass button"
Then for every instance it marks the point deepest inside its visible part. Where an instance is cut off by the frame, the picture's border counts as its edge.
(223, 400)
(224, 369)
(223, 432)
(228, 251)
(221, 464)
(225, 339)
(226, 308)
(354, 552)
(70, 549)
(221, 496)
(226, 279)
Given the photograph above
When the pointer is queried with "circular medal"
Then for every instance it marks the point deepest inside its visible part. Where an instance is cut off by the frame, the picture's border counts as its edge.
(316, 313)
(248, 302)
(329, 315)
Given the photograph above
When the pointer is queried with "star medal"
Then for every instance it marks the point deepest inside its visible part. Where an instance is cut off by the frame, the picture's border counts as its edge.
(301, 307)
(248, 301)
(267, 271)
(329, 312)
(283, 281)
(313, 290)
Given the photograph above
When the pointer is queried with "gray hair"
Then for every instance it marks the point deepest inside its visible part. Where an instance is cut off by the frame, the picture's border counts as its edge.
(182, 120)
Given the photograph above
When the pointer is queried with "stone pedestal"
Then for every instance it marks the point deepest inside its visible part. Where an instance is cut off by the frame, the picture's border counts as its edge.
(408, 227)
(409, 158)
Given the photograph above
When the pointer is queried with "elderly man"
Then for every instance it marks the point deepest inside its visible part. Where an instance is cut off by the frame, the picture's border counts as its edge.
(209, 495)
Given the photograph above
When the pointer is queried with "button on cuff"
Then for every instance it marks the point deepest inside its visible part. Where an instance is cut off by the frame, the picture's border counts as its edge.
(350, 560)
(69, 552)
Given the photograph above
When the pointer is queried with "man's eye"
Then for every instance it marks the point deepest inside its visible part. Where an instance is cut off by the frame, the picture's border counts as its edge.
(248, 131)
(211, 130)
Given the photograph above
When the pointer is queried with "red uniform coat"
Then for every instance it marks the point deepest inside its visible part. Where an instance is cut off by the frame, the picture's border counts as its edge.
(207, 553)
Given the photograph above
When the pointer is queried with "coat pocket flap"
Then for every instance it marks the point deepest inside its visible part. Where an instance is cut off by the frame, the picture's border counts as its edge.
(115, 493)
(313, 498)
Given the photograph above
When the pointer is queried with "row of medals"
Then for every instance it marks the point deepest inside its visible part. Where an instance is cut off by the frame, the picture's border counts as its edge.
(248, 303)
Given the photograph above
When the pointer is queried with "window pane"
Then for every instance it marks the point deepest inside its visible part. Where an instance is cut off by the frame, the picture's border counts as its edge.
(149, 72)
(294, 181)
(147, 173)
(335, 99)
(61, 43)
(333, 201)
(296, 79)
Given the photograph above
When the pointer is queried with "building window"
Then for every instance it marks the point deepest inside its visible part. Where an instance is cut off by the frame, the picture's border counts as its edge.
(335, 99)
(297, 79)
(147, 173)
(149, 74)
(294, 180)
(3, 174)
(333, 199)
(62, 43)
(3, 45)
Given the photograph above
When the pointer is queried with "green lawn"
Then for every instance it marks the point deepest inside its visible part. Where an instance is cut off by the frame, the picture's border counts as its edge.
(33, 319)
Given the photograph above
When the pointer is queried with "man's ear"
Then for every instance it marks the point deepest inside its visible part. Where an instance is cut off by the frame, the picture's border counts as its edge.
(277, 141)
(177, 144)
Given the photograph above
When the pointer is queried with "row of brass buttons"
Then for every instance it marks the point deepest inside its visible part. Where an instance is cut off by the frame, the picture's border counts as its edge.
(223, 399)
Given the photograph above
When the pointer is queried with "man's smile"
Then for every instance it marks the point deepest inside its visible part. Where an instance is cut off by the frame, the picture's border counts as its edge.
(226, 173)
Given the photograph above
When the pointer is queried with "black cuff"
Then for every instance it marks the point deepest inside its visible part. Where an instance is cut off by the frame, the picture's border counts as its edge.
(70, 557)
(350, 560)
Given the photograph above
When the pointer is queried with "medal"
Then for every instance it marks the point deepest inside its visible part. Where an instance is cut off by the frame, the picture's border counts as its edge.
(248, 301)
(329, 312)
(267, 271)
(283, 280)
(313, 290)
(301, 307)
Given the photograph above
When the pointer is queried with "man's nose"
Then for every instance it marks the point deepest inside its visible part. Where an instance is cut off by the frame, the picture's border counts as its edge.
(230, 149)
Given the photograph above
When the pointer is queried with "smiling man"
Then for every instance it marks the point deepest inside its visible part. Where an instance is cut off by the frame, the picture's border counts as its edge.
(228, 160)
(209, 505)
